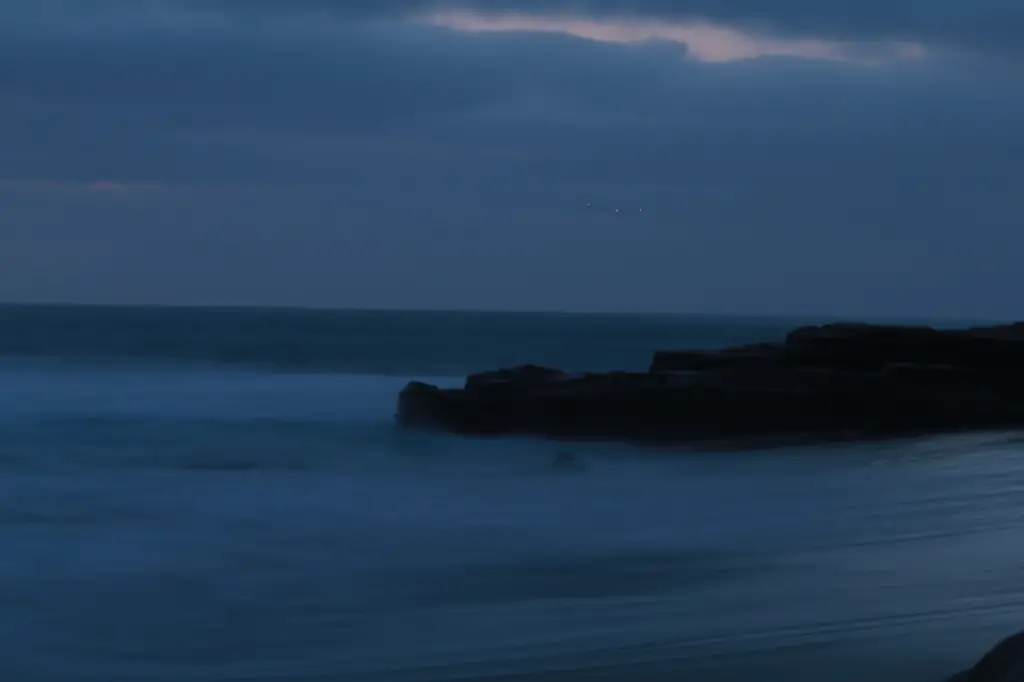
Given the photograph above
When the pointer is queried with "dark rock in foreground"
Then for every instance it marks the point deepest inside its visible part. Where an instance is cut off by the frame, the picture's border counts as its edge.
(835, 381)
(1004, 663)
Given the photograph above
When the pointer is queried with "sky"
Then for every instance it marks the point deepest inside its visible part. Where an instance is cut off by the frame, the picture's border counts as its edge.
(688, 156)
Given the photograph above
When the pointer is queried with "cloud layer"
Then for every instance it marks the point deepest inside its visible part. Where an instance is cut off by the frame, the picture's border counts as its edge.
(867, 152)
(981, 25)
(984, 25)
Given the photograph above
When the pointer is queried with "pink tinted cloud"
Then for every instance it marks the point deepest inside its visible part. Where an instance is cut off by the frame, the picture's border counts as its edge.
(704, 41)
(94, 187)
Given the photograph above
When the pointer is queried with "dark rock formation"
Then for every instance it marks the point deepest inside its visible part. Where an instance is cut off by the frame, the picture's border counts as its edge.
(1004, 663)
(825, 382)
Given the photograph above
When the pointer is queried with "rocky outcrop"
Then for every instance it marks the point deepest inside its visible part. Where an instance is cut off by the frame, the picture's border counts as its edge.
(1004, 663)
(831, 381)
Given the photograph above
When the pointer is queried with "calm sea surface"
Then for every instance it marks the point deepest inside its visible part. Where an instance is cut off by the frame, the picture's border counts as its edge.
(219, 495)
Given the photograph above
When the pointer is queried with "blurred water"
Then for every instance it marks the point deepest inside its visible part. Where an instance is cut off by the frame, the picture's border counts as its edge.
(179, 519)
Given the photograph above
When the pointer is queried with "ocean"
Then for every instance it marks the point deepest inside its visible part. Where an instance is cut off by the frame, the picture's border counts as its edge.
(220, 495)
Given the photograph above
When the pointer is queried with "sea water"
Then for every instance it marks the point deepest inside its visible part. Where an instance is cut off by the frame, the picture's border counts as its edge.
(200, 495)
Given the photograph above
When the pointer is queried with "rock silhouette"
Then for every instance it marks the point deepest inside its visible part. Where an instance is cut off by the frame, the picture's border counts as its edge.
(1004, 663)
(836, 381)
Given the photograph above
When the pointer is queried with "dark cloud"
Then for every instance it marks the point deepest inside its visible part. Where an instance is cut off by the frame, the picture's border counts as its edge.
(213, 78)
(982, 25)
(146, 95)
(158, 98)
(979, 25)
(350, 158)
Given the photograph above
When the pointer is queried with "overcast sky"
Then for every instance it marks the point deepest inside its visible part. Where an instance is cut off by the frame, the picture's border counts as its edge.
(737, 156)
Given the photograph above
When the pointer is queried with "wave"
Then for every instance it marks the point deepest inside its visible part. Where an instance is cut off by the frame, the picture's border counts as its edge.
(32, 389)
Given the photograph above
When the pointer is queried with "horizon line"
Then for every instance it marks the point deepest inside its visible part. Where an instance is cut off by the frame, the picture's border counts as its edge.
(824, 317)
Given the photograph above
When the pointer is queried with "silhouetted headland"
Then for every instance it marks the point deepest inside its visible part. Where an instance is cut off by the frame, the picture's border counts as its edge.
(1004, 663)
(833, 382)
